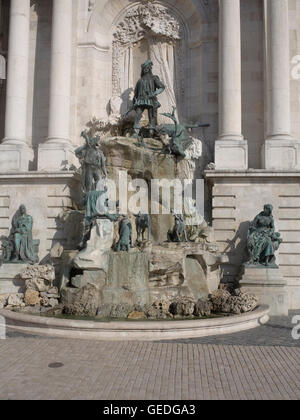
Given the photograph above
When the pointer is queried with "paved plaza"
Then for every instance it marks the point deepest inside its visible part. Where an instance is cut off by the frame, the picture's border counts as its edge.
(257, 364)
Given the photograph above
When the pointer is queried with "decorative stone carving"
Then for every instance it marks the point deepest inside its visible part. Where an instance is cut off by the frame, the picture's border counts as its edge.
(155, 23)
(149, 16)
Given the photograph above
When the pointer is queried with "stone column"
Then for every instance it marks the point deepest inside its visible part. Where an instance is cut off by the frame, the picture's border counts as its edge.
(15, 153)
(231, 150)
(281, 151)
(57, 150)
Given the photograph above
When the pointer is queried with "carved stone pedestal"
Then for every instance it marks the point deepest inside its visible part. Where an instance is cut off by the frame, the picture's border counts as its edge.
(269, 286)
(15, 158)
(55, 156)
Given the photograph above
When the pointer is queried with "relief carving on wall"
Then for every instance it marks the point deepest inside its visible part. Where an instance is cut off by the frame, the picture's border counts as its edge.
(151, 17)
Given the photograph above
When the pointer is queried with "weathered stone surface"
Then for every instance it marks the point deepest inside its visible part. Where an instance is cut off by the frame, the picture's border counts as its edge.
(104, 311)
(158, 310)
(32, 297)
(56, 251)
(97, 277)
(78, 282)
(202, 308)
(127, 280)
(39, 277)
(53, 302)
(186, 267)
(38, 285)
(85, 302)
(120, 311)
(3, 301)
(95, 255)
(53, 291)
(16, 300)
(223, 301)
(57, 310)
(45, 272)
(219, 299)
(45, 301)
(182, 307)
(137, 315)
(52, 296)
(123, 154)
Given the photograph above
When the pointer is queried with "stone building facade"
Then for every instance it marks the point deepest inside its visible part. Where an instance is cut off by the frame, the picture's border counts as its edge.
(234, 64)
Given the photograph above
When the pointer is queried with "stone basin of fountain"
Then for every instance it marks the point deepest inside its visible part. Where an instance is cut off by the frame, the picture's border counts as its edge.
(133, 330)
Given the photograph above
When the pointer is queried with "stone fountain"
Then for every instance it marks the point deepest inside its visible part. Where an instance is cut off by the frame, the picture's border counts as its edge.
(117, 271)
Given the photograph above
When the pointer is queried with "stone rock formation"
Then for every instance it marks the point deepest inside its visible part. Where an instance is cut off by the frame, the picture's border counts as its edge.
(86, 302)
(40, 294)
(203, 308)
(39, 277)
(223, 301)
(158, 310)
(32, 298)
(182, 308)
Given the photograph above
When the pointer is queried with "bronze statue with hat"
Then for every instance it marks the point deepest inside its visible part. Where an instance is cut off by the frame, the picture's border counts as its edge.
(145, 97)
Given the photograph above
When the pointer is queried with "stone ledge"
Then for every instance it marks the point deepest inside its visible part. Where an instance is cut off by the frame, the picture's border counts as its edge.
(129, 331)
(252, 173)
(37, 175)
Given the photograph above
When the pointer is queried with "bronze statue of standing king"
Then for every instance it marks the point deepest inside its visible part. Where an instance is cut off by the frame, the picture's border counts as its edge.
(145, 97)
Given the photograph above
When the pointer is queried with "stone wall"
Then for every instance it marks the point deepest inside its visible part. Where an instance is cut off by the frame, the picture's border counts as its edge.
(46, 196)
(92, 67)
(237, 199)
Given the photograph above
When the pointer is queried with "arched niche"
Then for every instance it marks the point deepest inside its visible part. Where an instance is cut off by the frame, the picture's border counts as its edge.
(150, 31)
(181, 46)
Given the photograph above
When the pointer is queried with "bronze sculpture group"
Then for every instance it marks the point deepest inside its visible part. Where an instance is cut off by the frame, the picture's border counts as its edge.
(262, 239)
(147, 89)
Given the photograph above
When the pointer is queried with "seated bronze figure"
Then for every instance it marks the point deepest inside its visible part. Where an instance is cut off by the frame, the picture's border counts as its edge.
(262, 240)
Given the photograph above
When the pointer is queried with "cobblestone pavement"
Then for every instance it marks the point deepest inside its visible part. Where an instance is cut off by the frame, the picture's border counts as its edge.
(277, 332)
(219, 369)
